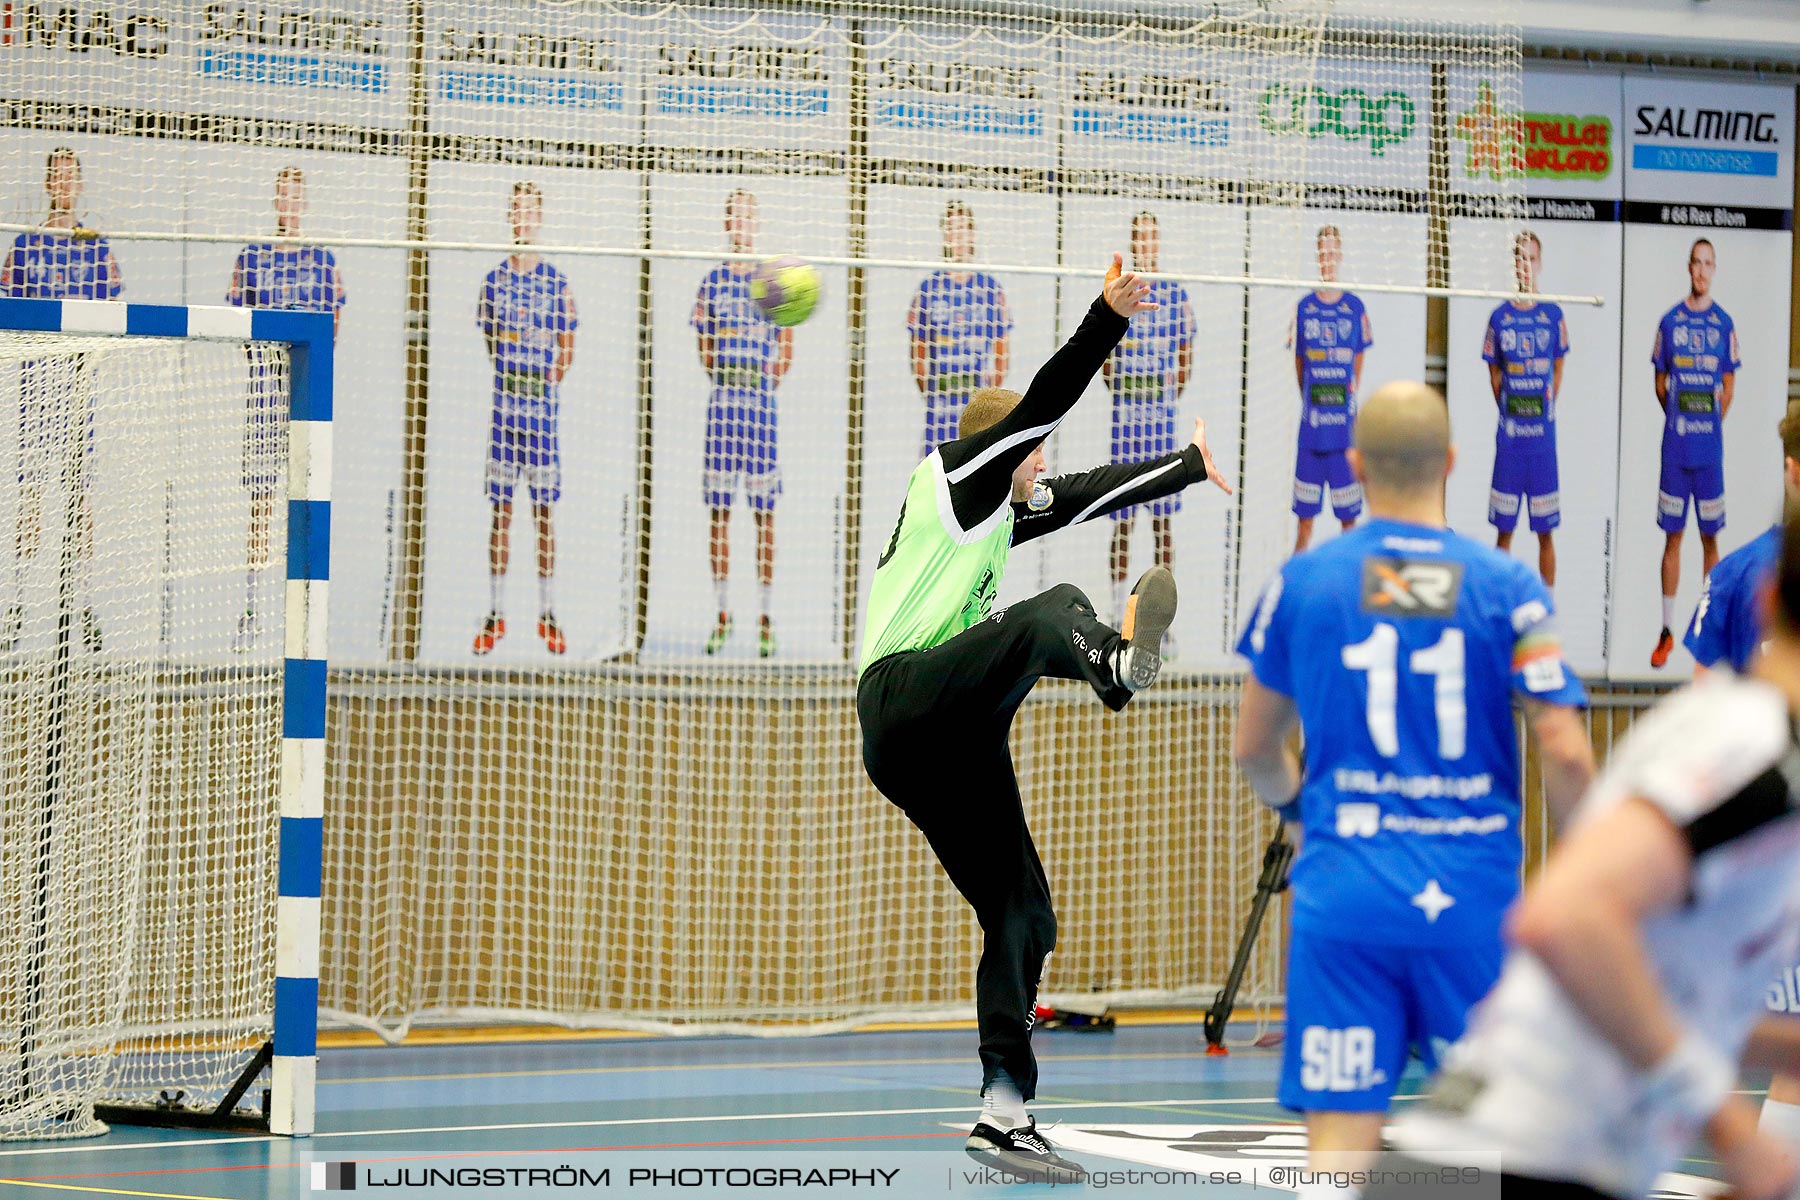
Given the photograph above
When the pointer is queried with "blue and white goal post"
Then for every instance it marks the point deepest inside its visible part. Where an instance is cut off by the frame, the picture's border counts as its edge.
(270, 1031)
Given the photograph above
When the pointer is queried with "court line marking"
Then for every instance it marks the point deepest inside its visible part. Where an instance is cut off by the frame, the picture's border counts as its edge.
(743, 1066)
(618, 1122)
(69, 1187)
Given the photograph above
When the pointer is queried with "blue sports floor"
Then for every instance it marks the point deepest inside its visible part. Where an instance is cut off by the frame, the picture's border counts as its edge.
(857, 1114)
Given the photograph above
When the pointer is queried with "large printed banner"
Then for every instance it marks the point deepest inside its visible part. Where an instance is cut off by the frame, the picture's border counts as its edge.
(1533, 388)
(530, 454)
(1709, 190)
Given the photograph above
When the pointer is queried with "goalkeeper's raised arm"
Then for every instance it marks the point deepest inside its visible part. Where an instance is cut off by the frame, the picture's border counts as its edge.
(980, 466)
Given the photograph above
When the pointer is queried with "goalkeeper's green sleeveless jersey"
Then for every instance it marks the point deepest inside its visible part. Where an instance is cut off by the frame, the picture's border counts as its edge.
(934, 579)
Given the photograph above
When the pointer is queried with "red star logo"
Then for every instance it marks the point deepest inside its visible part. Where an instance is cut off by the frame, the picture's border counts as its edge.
(1493, 138)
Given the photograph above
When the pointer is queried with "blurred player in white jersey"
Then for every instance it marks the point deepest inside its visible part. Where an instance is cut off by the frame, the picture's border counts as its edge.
(288, 275)
(63, 260)
(1640, 955)
(527, 315)
(744, 354)
(1146, 374)
(1727, 632)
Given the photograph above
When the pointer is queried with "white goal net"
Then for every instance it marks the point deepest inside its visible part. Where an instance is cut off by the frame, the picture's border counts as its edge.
(604, 532)
(141, 698)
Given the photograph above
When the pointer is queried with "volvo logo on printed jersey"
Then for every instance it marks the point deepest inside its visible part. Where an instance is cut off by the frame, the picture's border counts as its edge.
(1399, 587)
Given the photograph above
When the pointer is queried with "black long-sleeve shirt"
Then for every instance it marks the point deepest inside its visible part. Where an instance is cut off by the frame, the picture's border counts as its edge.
(942, 566)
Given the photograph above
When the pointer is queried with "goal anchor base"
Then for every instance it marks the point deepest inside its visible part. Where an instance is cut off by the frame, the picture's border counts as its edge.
(171, 1114)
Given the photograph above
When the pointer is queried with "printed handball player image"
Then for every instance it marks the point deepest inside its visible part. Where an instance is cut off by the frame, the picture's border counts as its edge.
(63, 260)
(526, 313)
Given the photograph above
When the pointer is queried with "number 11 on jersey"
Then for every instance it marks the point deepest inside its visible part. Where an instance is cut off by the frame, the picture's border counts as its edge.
(1379, 656)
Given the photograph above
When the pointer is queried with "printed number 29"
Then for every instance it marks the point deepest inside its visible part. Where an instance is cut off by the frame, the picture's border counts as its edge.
(1379, 655)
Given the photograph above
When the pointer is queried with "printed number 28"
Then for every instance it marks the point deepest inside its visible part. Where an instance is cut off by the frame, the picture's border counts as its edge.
(1379, 655)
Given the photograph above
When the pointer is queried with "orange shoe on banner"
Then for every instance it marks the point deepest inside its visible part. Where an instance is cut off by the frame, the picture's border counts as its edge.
(492, 630)
(552, 634)
(1664, 646)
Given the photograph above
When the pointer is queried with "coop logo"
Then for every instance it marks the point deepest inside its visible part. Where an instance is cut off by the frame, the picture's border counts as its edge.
(334, 1177)
(1351, 113)
(83, 30)
(1532, 145)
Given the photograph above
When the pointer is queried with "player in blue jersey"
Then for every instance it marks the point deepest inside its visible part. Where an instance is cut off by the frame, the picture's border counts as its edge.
(1727, 624)
(526, 313)
(1727, 630)
(1146, 374)
(1398, 649)
(1696, 359)
(61, 260)
(1330, 333)
(288, 275)
(1524, 349)
(745, 355)
(959, 330)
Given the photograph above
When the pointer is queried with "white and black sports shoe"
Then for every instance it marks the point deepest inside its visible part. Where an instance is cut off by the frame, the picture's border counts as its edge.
(1148, 614)
(1022, 1153)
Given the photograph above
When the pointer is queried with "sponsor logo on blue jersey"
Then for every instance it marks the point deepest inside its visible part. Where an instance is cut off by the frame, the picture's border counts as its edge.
(745, 343)
(958, 316)
(524, 313)
(1326, 339)
(61, 266)
(288, 277)
(1147, 360)
(1526, 344)
(1695, 350)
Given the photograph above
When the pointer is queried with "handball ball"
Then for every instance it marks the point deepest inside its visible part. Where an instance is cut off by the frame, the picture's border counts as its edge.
(785, 289)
